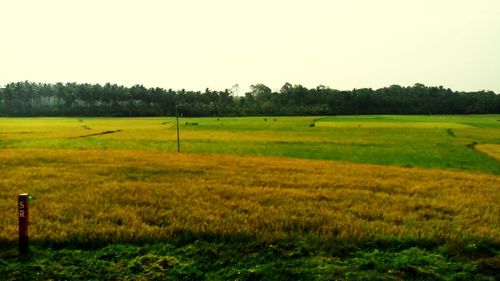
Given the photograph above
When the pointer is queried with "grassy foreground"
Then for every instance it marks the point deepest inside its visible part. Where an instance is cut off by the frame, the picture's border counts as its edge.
(295, 218)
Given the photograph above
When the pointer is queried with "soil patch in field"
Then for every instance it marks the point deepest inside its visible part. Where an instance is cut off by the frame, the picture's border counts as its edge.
(98, 134)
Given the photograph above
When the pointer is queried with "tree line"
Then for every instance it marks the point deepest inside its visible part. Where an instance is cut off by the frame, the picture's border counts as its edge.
(72, 99)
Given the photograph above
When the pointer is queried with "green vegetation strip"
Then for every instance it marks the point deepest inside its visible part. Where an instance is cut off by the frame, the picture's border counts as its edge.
(243, 260)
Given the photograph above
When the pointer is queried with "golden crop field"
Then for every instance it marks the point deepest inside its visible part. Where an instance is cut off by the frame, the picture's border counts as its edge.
(492, 150)
(83, 196)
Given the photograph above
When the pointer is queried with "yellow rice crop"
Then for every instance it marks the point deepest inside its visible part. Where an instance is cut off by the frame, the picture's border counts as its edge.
(84, 195)
(492, 150)
(388, 124)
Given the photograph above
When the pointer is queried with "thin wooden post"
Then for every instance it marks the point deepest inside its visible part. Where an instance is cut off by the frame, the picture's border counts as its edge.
(22, 200)
(178, 140)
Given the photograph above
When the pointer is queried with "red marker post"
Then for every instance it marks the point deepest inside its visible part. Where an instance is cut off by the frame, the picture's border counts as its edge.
(22, 200)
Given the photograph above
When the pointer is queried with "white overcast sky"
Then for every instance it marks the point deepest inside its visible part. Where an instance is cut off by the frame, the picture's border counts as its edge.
(218, 43)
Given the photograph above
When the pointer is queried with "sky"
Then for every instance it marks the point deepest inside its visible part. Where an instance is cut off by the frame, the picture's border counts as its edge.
(195, 44)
